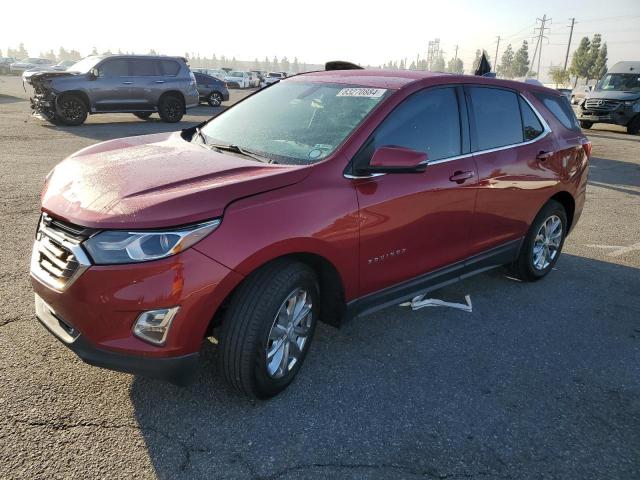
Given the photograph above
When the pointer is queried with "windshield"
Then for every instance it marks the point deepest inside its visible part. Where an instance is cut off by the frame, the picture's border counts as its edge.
(30, 60)
(235, 74)
(294, 122)
(84, 65)
(274, 75)
(620, 82)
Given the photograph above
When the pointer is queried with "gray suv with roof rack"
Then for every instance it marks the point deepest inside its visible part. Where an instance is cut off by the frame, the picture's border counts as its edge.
(138, 84)
(615, 99)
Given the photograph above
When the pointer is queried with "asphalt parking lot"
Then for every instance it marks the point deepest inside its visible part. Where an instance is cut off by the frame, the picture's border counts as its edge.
(540, 381)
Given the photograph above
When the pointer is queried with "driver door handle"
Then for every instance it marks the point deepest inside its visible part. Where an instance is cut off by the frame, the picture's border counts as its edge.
(461, 177)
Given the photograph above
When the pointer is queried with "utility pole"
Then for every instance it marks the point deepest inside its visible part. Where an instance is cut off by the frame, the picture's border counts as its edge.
(495, 59)
(566, 57)
(456, 55)
(541, 36)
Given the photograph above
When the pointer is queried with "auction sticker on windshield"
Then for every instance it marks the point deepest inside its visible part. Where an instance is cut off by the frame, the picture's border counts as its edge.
(361, 92)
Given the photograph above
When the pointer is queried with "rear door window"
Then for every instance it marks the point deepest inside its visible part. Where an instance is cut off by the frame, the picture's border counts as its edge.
(428, 121)
(531, 125)
(115, 68)
(143, 68)
(496, 116)
(561, 109)
(169, 67)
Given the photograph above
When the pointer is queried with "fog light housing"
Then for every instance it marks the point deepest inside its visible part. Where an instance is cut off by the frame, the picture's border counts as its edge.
(153, 326)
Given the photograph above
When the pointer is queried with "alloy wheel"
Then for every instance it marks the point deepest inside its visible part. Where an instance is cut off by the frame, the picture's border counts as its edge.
(289, 333)
(546, 244)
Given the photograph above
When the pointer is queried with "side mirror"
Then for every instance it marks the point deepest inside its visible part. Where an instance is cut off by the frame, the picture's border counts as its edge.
(397, 160)
(94, 73)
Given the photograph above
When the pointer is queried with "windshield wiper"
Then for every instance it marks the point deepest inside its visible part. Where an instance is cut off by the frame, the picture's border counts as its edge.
(237, 149)
(201, 135)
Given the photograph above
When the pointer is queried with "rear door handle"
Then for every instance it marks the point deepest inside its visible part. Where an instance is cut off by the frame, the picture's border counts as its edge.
(159, 81)
(461, 177)
(127, 83)
(542, 156)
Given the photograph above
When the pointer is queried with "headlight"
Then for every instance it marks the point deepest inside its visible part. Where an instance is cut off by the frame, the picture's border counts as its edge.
(121, 246)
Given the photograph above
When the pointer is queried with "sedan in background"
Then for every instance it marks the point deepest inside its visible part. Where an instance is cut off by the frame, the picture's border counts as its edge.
(63, 65)
(5, 64)
(237, 79)
(273, 77)
(30, 63)
(212, 90)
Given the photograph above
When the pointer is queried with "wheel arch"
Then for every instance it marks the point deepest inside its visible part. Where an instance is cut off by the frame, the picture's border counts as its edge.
(332, 292)
(78, 93)
(569, 204)
(174, 93)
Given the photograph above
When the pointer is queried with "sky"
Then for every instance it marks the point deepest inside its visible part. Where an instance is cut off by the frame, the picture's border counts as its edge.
(368, 33)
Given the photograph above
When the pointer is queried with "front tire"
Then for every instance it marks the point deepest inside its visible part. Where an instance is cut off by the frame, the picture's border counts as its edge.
(71, 110)
(634, 126)
(585, 124)
(541, 247)
(171, 108)
(268, 328)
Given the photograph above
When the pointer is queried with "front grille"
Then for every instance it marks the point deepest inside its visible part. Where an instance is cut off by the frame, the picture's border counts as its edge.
(57, 256)
(601, 105)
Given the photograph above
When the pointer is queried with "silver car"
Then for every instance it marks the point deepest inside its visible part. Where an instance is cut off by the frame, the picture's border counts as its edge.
(137, 84)
(30, 63)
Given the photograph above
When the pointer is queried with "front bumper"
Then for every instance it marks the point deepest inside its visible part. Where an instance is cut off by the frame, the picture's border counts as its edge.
(95, 313)
(620, 116)
(178, 370)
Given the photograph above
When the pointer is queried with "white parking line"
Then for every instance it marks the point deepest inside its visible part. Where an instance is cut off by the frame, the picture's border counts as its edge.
(618, 250)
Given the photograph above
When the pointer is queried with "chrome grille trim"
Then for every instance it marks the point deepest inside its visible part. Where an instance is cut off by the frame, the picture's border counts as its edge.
(602, 104)
(57, 259)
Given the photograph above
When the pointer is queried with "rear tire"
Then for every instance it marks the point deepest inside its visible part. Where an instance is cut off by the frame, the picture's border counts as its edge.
(214, 99)
(542, 246)
(585, 124)
(171, 108)
(257, 352)
(143, 115)
(634, 126)
(71, 110)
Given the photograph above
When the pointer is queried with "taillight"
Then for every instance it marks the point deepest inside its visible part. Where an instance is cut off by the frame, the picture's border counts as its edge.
(586, 146)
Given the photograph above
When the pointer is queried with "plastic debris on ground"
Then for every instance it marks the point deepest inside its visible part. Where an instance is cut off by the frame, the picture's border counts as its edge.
(421, 302)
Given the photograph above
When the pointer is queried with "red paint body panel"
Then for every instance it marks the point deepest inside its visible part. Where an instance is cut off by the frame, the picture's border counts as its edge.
(376, 232)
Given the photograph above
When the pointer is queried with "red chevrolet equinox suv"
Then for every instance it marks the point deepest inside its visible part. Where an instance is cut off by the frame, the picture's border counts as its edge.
(322, 197)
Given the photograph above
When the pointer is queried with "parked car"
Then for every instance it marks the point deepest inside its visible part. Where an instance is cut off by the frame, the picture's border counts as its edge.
(216, 73)
(211, 90)
(137, 84)
(5, 64)
(273, 77)
(260, 74)
(30, 63)
(615, 99)
(237, 79)
(326, 196)
(579, 93)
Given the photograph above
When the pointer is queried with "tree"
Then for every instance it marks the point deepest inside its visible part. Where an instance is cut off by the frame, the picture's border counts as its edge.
(506, 63)
(94, 51)
(295, 66)
(580, 63)
(559, 75)
(284, 63)
(275, 65)
(476, 60)
(455, 65)
(266, 64)
(520, 65)
(599, 67)
(412, 66)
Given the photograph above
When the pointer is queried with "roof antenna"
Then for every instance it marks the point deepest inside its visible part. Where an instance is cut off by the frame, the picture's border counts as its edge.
(341, 65)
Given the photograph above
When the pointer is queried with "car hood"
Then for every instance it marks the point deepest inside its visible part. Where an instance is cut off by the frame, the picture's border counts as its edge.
(611, 95)
(31, 76)
(155, 181)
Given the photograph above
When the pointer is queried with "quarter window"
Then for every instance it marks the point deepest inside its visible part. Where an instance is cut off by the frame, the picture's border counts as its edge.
(169, 67)
(427, 121)
(115, 68)
(496, 116)
(559, 106)
(531, 125)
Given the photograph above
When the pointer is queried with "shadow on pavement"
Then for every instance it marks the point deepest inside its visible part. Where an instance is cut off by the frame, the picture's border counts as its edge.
(533, 383)
(614, 175)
